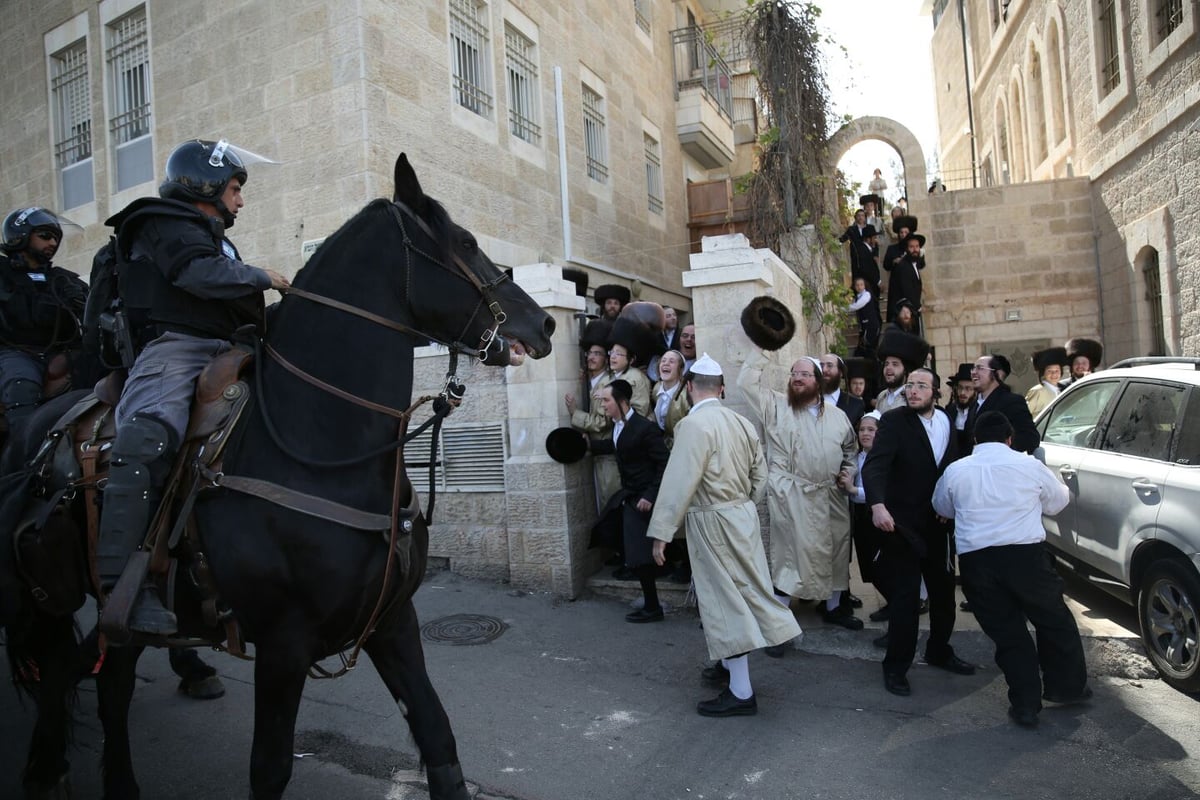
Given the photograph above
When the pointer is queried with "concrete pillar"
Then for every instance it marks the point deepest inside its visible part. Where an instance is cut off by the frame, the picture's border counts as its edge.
(550, 506)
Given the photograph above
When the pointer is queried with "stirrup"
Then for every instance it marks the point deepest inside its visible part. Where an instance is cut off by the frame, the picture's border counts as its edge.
(150, 616)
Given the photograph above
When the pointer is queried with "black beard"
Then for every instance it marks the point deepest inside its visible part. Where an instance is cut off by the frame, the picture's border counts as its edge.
(832, 384)
(895, 383)
(923, 409)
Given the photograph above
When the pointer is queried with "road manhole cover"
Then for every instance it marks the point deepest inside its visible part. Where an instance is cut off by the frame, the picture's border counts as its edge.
(463, 629)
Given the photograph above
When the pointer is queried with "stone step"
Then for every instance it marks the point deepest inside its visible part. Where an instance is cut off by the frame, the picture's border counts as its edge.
(602, 584)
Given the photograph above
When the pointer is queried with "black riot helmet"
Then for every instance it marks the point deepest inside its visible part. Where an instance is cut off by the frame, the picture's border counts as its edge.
(199, 171)
(20, 224)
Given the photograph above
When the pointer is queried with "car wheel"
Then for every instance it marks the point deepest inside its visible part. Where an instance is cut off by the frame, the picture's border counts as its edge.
(1169, 615)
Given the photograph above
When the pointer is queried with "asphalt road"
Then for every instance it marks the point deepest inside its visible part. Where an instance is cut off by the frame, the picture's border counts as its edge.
(569, 702)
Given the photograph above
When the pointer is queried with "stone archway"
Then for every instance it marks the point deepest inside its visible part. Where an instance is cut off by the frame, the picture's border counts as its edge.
(889, 132)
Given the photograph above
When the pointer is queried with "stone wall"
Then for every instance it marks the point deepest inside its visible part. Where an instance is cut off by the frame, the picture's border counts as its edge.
(1023, 251)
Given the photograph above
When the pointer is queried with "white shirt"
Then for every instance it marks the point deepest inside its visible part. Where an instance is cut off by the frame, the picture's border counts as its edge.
(860, 495)
(833, 396)
(937, 428)
(997, 497)
(662, 403)
(960, 416)
(619, 425)
(861, 300)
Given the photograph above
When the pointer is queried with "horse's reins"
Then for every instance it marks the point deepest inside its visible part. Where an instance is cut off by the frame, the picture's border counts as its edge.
(442, 406)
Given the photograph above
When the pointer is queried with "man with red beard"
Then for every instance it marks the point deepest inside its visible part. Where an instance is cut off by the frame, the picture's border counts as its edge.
(809, 445)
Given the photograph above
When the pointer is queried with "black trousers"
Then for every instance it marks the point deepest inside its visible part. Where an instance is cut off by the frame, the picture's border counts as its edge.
(900, 569)
(866, 539)
(1008, 585)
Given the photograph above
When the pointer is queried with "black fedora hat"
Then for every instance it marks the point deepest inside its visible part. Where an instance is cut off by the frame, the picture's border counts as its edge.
(868, 231)
(904, 221)
(915, 236)
(566, 445)
(768, 322)
(911, 350)
(1048, 358)
(963, 374)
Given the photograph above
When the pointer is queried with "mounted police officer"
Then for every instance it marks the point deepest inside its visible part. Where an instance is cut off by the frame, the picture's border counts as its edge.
(40, 306)
(183, 308)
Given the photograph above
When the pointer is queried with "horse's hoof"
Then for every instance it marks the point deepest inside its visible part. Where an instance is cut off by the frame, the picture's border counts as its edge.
(206, 688)
(446, 782)
(61, 790)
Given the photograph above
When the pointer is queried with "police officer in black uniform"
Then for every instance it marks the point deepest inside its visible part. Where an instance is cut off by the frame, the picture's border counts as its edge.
(40, 306)
(183, 308)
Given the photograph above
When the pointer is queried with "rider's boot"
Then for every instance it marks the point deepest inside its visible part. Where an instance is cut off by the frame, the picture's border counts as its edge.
(20, 397)
(141, 460)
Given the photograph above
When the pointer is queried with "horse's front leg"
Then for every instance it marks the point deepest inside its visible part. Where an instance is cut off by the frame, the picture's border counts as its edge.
(395, 650)
(114, 692)
(51, 670)
(280, 669)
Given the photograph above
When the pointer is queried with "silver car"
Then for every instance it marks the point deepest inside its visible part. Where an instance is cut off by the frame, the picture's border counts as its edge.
(1126, 441)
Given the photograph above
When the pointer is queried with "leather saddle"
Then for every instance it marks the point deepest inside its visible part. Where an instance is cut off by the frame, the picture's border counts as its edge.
(75, 460)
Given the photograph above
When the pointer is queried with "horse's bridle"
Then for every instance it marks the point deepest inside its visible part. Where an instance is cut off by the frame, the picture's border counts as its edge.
(491, 343)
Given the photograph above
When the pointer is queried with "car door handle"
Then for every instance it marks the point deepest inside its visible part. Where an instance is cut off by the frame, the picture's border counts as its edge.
(1144, 486)
(1067, 471)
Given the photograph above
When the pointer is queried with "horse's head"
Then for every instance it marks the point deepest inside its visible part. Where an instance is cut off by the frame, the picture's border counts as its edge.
(505, 323)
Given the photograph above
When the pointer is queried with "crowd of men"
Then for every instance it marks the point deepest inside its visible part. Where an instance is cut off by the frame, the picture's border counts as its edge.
(885, 481)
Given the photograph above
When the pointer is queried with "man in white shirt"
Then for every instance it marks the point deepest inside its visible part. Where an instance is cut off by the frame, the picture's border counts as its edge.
(997, 497)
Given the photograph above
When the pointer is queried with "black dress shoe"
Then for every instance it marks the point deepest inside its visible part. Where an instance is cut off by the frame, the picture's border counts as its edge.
(896, 684)
(952, 663)
(1068, 700)
(844, 618)
(851, 600)
(726, 705)
(923, 607)
(642, 615)
(882, 615)
(881, 642)
(1025, 717)
(716, 675)
(775, 650)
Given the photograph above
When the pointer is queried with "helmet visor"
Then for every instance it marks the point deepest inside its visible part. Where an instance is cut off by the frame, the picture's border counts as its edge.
(225, 153)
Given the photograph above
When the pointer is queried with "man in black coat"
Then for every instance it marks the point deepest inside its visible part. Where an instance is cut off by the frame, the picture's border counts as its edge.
(905, 283)
(993, 394)
(854, 234)
(912, 448)
(833, 369)
(641, 459)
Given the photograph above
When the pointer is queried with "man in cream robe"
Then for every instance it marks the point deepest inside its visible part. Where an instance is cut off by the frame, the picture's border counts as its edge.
(715, 472)
(809, 444)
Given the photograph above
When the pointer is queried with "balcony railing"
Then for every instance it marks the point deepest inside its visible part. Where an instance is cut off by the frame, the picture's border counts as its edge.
(728, 38)
(699, 65)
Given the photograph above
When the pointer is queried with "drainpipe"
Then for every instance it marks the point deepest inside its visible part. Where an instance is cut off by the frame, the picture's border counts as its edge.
(563, 189)
(962, 23)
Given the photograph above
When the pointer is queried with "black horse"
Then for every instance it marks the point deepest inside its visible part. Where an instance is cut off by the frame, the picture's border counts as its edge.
(396, 275)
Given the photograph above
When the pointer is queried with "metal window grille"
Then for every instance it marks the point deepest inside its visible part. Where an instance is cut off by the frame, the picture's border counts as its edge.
(641, 14)
(469, 37)
(128, 58)
(654, 179)
(1168, 14)
(593, 136)
(1154, 305)
(471, 458)
(1110, 56)
(72, 106)
(522, 86)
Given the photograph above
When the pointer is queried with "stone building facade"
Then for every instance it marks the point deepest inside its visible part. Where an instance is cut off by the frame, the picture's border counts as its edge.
(1103, 90)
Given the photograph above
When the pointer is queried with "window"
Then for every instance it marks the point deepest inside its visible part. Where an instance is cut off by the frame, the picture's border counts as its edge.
(1143, 424)
(1110, 55)
(469, 42)
(595, 146)
(1168, 15)
(1074, 419)
(72, 112)
(520, 56)
(1154, 303)
(654, 181)
(641, 14)
(128, 58)
(470, 459)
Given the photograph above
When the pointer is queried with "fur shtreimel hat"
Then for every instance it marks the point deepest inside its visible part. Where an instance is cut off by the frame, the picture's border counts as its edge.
(871, 198)
(639, 330)
(613, 291)
(858, 367)
(1089, 348)
(596, 333)
(904, 221)
(565, 445)
(911, 350)
(768, 322)
(1048, 358)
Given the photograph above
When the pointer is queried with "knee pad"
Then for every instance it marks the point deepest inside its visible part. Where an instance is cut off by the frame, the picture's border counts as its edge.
(145, 441)
(21, 392)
